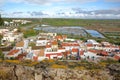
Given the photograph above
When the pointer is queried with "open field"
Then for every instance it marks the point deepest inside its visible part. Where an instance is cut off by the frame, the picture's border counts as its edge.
(100, 25)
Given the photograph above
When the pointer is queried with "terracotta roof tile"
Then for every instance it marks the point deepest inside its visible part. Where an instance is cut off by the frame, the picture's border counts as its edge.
(20, 44)
(54, 43)
(12, 52)
(89, 45)
(38, 47)
(81, 52)
(117, 57)
(41, 52)
(70, 44)
(104, 53)
(75, 50)
(35, 58)
(68, 52)
(20, 56)
(48, 46)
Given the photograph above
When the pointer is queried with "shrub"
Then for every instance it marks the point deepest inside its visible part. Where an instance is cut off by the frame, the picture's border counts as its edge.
(3, 75)
(80, 68)
(109, 61)
(58, 66)
(13, 61)
(29, 33)
(28, 63)
(1, 55)
(32, 63)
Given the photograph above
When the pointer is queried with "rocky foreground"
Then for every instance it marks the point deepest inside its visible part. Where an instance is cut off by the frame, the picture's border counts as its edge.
(41, 72)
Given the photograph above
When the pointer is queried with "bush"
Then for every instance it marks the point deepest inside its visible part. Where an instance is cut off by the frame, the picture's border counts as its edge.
(1, 55)
(109, 61)
(4, 75)
(58, 66)
(13, 61)
(29, 33)
(80, 68)
(12, 58)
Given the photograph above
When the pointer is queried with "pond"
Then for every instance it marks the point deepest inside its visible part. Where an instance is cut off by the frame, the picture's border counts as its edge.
(74, 30)
(95, 33)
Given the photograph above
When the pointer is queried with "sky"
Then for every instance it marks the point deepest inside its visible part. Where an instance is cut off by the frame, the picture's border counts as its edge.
(83, 9)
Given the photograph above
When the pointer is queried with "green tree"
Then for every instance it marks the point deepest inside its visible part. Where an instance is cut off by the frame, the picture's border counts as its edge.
(1, 36)
(1, 55)
(29, 33)
(19, 29)
(1, 21)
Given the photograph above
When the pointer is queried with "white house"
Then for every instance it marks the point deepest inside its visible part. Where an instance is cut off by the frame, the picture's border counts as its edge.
(89, 54)
(6, 23)
(47, 35)
(38, 55)
(11, 37)
(3, 31)
(92, 44)
(53, 55)
(70, 45)
(41, 42)
(91, 41)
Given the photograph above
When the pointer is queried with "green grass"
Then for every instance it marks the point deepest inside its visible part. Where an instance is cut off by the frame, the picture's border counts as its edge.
(30, 33)
(71, 22)
(79, 22)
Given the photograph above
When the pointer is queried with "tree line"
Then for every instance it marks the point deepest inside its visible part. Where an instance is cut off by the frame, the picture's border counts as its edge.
(1, 21)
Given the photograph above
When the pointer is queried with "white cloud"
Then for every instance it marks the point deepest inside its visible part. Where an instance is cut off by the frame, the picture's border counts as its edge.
(16, 15)
(68, 13)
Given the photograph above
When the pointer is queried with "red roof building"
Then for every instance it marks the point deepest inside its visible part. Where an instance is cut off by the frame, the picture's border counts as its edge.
(13, 53)
(75, 50)
(53, 55)
(104, 53)
(35, 58)
(117, 57)
(48, 46)
(89, 45)
(54, 42)
(70, 44)
(21, 56)
(81, 52)
(61, 37)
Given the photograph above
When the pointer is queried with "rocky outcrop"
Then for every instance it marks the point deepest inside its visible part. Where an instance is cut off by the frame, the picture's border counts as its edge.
(41, 72)
(114, 70)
